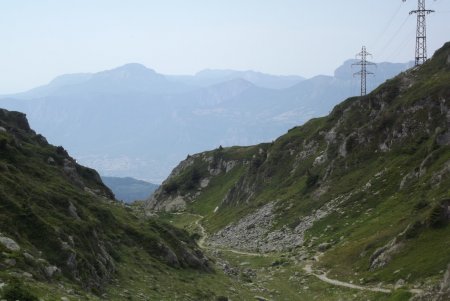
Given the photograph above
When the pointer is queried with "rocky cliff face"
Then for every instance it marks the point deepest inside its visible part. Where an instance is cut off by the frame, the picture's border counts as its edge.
(193, 175)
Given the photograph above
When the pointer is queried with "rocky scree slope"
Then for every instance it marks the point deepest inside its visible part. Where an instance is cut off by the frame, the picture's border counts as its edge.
(59, 222)
(368, 185)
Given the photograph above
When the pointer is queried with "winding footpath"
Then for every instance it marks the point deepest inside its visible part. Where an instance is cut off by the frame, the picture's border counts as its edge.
(307, 268)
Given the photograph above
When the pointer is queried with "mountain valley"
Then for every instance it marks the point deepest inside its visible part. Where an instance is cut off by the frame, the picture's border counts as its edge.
(351, 206)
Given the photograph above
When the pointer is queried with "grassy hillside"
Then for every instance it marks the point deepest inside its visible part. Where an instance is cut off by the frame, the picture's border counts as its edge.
(367, 186)
(63, 234)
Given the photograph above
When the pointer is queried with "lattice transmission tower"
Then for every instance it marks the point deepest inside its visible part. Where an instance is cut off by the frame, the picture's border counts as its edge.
(421, 34)
(364, 72)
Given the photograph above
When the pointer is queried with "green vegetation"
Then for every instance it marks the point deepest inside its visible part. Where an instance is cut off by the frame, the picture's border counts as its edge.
(17, 291)
(372, 177)
(70, 230)
(384, 161)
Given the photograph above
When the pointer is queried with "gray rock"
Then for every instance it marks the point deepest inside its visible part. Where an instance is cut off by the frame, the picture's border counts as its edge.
(27, 275)
(170, 257)
(72, 261)
(204, 183)
(445, 284)
(73, 211)
(443, 139)
(65, 245)
(2, 129)
(28, 256)
(399, 284)
(10, 262)
(51, 270)
(324, 246)
(230, 165)
(9, 243)
(440, 175)
(382, 256)
(254, 232)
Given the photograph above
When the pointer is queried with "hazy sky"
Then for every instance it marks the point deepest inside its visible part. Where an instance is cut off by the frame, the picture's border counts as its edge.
(41, 39)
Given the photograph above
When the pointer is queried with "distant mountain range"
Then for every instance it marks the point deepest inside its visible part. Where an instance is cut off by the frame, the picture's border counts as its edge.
(129, 189)
(133, 121)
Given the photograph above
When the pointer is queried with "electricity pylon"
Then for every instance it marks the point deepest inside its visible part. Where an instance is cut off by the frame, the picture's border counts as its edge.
(363, 73)
(421, 34)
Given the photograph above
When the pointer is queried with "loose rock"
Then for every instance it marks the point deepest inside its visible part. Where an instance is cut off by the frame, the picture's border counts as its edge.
(9, 243)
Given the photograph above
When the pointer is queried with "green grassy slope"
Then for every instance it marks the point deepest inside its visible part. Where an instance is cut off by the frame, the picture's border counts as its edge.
(60, 225)
(385, 157)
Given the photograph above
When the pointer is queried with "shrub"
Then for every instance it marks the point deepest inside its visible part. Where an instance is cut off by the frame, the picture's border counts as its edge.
(414, 230)
(439, 215)
(421, 204)
(170, 187)
(3, 143)
(311, 180)
(17, 291)
(192, 178)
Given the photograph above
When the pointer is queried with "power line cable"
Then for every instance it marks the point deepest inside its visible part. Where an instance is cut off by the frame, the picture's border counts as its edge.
(383, 50)
(401, 46)
(382, 33)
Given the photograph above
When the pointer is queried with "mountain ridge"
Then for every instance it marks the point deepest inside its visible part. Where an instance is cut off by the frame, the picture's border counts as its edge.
(136, 115)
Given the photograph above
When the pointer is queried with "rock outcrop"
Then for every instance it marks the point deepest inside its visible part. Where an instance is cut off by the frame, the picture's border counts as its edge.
(197, 171)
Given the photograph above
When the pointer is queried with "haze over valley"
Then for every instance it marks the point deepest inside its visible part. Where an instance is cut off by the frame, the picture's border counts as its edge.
(133, 121)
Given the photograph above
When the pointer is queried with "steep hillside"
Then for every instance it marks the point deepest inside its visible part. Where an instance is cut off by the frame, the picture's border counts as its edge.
(363, 191)
(62, 233)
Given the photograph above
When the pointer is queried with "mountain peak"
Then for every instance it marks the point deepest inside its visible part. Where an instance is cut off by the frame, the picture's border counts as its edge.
(133, 67)
(386, 69)
(131, 70)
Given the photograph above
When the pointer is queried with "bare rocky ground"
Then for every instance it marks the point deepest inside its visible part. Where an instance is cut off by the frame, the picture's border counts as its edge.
(255, 231)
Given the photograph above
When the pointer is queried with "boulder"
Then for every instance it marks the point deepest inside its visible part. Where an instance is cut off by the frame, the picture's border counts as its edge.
(324, 246)
(445, 284)
(73, 211)
(9, 243)
(29, 257)
(170, 257)
(399, 284)
(27, 275)
(51, 270)
(10, 262)
(382, 256)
